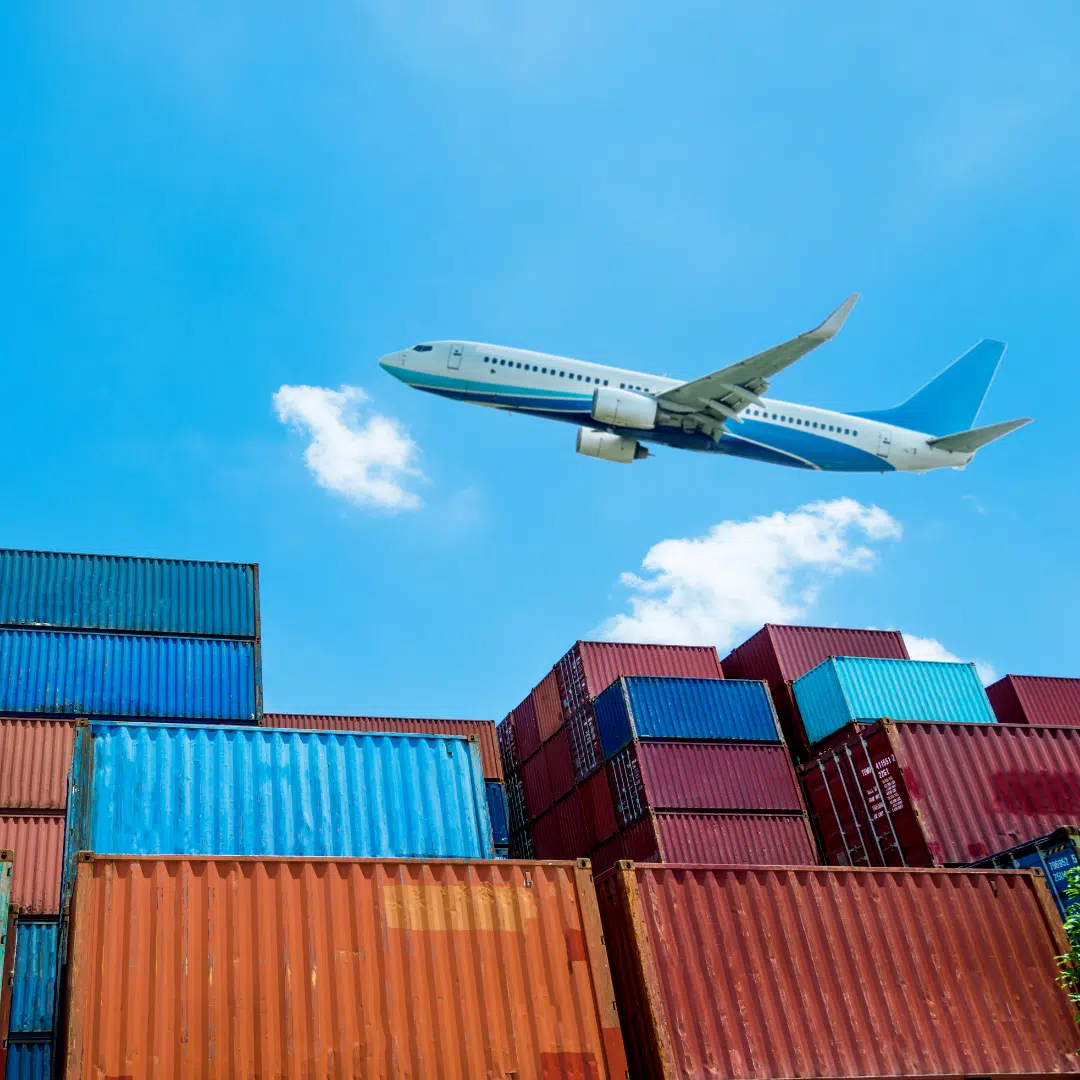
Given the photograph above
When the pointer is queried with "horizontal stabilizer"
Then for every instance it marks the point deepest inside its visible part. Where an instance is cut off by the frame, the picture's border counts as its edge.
(967, 442)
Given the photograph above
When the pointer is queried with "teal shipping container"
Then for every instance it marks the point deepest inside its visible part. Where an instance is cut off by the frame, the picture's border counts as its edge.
(128, 675)
(653, 707)
(58, 590)
(164, 789)
(1055, 855)
(33, 986)
(844, 689)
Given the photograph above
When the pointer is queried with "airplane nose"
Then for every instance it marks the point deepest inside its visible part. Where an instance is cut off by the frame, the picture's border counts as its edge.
(390, 360)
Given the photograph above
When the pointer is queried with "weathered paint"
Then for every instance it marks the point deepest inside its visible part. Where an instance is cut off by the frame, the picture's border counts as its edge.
(498, 812)
(751, 974)
(127, 675)
(848, 688)
(38, 843)
(51, 589)
(7, 899)
(35, 757)
(33, 994)
(667, 708)
(1054, 855)
(1035, 699)
(910, 794)
(150, 789)
(238, 967)
(482, 730)
(548, 705)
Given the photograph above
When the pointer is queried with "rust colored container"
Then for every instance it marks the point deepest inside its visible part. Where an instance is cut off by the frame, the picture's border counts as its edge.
(780, 654)
(548, 704)
(35, 759)
(481, 730)
(1033, 699)
(598, 808)
(917, 794)
(537, 783)
(560, 766)
(748, 839)
(251, 967)
(526, 728)
(750, 974)
(38, 843)
(702, 776)
(573, 831)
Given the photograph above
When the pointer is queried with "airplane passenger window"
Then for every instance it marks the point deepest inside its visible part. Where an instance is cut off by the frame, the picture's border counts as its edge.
(855, 433)
(588, 378)
(622, 386)
(502, 361)
(605, 382)
(579, 378)
(562, 374)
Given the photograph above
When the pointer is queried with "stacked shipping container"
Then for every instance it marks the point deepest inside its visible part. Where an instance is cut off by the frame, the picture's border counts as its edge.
(1036, 699)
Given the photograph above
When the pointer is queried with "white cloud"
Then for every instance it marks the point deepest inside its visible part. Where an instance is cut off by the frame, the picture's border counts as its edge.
(920, 648)
(708, 589)
(366, 462)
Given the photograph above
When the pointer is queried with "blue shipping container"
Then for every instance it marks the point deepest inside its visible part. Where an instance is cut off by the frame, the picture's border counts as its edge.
(121, 675)
(51, 589)
(500, 822)
(843, 689)
(33, 990)
(1055, 855)
(648, 707)
(160, 789)
(29, 1060)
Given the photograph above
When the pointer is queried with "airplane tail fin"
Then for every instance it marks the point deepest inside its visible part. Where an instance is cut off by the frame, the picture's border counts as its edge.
(967, 442)
(952, 400)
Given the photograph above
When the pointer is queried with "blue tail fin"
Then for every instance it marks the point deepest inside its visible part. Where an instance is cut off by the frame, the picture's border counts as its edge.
(951, 401)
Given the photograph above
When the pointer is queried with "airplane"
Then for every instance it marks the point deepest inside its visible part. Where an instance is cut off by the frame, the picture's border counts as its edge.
(618, 410)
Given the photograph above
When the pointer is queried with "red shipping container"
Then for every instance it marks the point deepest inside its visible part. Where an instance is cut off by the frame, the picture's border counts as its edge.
(780, 654)
(573, 830)
(548, 704)
(515, 802)
(598, 808)
(546, 836)
(525, 728)
(38, 843)
(35, 759)
(537, 783)
(586, 753)
(922, 794)
(560, 767)
(702, 776)
(1035, 699)
(745, 839)
(508, 748)
(751, 974)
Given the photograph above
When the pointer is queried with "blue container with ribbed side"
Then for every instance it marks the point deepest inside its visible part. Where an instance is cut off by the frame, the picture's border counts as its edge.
(844, 689)
(500, 818)
(33, 988)
(29, 1059)
(648, 707)
(58, 590)
(121, 675)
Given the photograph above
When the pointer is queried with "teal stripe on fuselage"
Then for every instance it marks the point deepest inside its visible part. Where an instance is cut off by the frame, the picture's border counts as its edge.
(513, 397)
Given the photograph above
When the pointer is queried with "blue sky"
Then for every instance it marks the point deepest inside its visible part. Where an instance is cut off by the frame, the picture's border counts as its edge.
(201, 208)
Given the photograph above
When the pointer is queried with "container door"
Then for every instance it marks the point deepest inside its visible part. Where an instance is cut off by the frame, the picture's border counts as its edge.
(884, 444)
(453, 361)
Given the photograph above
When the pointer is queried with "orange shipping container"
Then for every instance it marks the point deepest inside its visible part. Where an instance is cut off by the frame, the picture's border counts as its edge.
(754, 973)
(367, 968)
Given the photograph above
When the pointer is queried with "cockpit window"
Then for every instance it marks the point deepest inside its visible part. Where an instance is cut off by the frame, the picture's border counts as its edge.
(421, 348)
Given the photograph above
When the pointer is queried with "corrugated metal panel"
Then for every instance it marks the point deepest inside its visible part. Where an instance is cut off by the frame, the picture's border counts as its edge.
(521, 845)
(526, 728)
(304, 968)
(547, 836)
(598, 808)
(603, 662)
(573, 830)
(585, 749)
(508, 748)
(749, 974)
(700, 837)
(35, 757)
(38, 843)
(33, 993)
(847, 688)
(7, 885)
(703, 776)
(666, 708)
(537, 783)
(114, 592)
(548, 704)
(29, 1060)
(1034, 699)
(164, 789)
(1055, 855)
(126, 675)
(515, 803)
(560, 765)
(498, 812)
(481, 730)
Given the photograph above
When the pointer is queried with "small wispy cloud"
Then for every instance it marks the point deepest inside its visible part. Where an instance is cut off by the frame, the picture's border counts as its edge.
(367, 460)
(920, 648)
(976, 505)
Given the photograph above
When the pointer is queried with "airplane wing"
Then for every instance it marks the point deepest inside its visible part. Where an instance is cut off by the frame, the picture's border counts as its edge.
(708, 402)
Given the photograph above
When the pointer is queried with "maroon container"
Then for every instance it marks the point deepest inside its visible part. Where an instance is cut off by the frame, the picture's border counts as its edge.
(508, 747)
(923, 794)
(598, 808)
(1035, 699)
(546, 837)
(537, 783)
(781, 654)
(573, 829)
(548, 704)
(711, 838)
(560, 767)
(702, 776)
(515, 802)
(526, 729)
(586, 753)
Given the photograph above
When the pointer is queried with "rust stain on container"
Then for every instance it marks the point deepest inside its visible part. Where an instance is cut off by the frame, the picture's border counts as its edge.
(35, 759)
(38, 843)
(752, 973)
(367, 968)
(481, 730)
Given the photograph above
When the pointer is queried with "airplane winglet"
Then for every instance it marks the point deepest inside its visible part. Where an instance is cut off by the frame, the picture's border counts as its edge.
(831, 326)
(967, 442)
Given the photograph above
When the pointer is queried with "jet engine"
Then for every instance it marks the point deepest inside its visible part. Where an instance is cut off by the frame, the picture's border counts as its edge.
(608, 446)
(621, 408)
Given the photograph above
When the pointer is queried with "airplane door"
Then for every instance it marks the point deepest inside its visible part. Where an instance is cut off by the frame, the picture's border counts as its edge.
(454, 359)
(884, 444)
